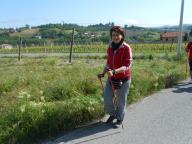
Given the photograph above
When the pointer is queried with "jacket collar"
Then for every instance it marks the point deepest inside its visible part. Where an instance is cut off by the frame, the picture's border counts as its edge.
(121, 46)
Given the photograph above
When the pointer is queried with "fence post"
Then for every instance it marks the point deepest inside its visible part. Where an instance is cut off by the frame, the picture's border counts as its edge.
(72, 41)
(44, 47)
(20, 40)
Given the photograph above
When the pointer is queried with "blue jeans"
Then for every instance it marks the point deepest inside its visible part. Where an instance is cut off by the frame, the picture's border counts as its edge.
(121, 94)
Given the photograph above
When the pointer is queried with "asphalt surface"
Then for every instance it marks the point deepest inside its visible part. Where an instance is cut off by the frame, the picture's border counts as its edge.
(162, 118)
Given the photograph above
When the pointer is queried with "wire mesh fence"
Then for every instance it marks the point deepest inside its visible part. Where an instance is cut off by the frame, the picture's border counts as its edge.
(90, 48)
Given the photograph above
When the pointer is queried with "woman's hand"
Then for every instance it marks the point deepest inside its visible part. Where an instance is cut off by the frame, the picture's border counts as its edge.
(109, 73)
(100, 75)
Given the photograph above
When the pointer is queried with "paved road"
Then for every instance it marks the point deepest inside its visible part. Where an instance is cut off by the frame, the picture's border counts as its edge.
(162, 118)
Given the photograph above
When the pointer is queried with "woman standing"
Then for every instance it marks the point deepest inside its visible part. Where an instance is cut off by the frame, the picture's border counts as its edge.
(189, 51)
(118, 69)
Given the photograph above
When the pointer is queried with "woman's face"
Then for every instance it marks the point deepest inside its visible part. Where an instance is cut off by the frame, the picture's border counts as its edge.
(116, 37)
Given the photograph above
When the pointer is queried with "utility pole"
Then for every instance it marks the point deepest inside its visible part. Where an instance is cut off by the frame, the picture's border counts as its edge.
(180, 30)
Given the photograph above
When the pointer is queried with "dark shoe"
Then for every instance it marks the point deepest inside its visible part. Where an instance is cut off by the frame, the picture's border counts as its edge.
(118, 124)
(110, 119)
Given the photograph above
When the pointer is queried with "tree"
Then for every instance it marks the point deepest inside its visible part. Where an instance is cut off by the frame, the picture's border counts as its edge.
(27, 26)
(126, 26)
(186, 37)
(190, 34)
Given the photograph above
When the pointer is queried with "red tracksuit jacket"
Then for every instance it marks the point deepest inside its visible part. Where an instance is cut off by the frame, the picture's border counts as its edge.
(120, 57)
(189, 47)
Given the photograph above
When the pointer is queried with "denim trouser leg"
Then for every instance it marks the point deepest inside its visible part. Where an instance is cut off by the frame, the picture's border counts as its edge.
(122, 94)
(108, 99)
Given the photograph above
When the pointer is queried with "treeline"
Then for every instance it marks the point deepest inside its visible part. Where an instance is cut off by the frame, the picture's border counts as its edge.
(60, 33)
(56, 33)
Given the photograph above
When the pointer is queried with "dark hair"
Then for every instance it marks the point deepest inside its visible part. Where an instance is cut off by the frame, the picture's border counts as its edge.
(117, 29)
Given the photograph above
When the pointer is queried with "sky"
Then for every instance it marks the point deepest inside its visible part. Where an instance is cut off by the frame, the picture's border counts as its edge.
(147, 13)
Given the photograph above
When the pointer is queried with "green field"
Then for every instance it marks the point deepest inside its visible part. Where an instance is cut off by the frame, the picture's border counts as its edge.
(44, 96)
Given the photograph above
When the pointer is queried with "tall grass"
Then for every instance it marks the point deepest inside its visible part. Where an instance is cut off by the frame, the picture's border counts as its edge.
(153, 75)
(41, 97)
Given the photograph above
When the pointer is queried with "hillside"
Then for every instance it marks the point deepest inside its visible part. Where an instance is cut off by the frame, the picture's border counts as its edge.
(59, 33)
(25, 33)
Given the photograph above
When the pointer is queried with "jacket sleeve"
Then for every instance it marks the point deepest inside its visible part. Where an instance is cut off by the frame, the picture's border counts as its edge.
(189, 45)
(107, 64)
(127, 57)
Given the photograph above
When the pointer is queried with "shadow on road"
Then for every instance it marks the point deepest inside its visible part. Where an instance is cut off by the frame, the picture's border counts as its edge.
(86, 133)
(183, 87)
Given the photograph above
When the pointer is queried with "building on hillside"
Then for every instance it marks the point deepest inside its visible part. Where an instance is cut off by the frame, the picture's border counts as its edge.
(12, 30)
(172, 36)
(6, 46)
(37, 36)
